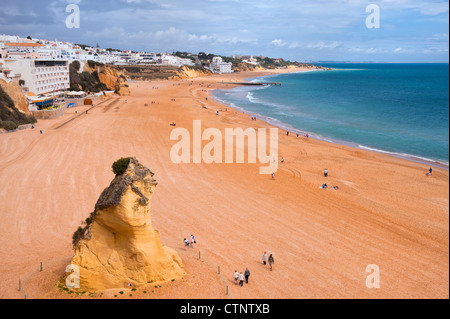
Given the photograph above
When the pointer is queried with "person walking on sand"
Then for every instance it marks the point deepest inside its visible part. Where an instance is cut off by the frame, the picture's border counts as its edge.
(271, 261)
(430, 170)
(273, 175)
(325, 172)
(236, 276)
(264, 258)
(186, 244)
(246, 274)
(193, 240)
(241, 279)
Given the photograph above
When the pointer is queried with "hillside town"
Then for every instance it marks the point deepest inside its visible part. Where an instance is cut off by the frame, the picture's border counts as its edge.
(42, 65)
(53, 75)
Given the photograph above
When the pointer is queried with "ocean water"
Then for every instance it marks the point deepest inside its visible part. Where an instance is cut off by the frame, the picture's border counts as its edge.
(402, 109)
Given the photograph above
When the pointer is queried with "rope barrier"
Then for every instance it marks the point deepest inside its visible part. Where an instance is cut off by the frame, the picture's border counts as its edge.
(42, 267)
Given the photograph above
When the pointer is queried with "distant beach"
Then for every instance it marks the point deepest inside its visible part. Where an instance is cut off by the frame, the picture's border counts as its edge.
(416, 128)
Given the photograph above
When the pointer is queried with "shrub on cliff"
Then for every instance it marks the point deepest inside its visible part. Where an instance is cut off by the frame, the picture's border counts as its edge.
(9, 125)
(77, 235)
(120, 166)
(91, 83)
(10, 116)
(92, 64)
(86, 81)
(76, 65)
(75, 81)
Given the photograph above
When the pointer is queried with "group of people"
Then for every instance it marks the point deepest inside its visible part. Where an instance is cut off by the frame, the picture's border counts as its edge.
(189, 242)
(287, 133)
(268, 259)
(325, 185)
(239, 277)
(253, 118)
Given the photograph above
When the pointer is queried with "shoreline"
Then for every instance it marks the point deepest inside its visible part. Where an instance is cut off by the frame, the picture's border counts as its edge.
(286, 127)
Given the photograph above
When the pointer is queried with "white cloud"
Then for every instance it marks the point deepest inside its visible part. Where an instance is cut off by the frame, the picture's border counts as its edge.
(279, 43)
(290, 28)
(323, 45)
(295, 44)
(424, 7)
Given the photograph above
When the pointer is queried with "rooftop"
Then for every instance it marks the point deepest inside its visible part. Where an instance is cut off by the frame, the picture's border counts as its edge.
(25, 45)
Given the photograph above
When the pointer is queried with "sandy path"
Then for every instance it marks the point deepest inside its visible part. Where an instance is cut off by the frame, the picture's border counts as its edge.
(387, 212)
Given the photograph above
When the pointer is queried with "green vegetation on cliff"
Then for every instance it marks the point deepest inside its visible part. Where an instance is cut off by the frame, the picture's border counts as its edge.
(120, 166)
(85, 81)
(10, 116)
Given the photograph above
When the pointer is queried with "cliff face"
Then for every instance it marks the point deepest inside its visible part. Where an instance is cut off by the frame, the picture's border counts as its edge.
(14, 91)
(186, 72)
(162, 72)
(112, 78)
(242, 67)
(119, 246)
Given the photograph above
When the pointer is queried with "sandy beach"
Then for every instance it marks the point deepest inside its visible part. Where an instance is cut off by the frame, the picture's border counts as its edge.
(386, 212)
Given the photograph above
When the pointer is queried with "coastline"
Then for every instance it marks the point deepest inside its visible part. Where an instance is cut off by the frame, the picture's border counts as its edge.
(386, 212)
(314, 135)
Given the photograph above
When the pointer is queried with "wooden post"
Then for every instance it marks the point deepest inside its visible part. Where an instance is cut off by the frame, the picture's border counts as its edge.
(199, 254)
(20, 285)
(227, 291)
(218, 270)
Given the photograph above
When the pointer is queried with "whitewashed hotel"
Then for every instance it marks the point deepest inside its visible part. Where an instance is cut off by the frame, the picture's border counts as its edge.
(218, 66)
(41, 76)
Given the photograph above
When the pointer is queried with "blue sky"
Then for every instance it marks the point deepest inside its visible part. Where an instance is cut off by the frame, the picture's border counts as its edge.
(300, 30)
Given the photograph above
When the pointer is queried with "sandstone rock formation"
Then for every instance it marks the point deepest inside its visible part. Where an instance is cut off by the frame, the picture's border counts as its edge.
(187, 72)
(113, 78)
(118, 245)
(15, 93)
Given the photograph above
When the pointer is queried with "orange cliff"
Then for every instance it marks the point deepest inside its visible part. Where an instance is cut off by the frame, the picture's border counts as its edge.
(113, 78)
(14, 91)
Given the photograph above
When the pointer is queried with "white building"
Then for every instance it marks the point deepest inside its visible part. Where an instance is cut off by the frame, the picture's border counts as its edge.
(218, 66)
(251, 60)
(41, 76)
(167, 59)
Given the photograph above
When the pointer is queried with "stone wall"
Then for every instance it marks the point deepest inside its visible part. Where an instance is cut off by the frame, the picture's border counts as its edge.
(49, 114)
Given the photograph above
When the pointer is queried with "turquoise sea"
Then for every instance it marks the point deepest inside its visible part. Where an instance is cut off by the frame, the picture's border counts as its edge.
(401, 109)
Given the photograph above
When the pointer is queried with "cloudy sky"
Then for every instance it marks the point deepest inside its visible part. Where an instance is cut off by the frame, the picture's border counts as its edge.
(300, 30)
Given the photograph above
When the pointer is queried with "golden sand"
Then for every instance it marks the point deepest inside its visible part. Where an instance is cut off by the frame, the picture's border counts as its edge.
(386, 212)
